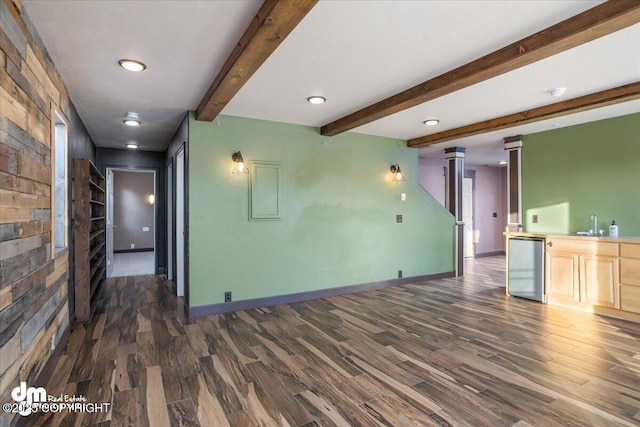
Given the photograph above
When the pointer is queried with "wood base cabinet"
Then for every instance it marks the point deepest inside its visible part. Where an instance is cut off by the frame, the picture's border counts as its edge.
(582, 272)
(599, 282)
(595, 274)
(630, 277)
(561, 277)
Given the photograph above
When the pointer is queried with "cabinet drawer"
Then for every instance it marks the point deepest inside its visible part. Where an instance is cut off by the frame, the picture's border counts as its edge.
(630, 271)
(587, 247)
(629, 250)
(630, 298)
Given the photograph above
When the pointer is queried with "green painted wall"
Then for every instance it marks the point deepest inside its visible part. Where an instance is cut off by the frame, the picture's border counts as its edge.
(570, 173)
(339, 210)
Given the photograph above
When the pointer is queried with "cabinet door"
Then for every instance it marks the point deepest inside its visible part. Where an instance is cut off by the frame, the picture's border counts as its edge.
(630, 298)
(599, 284)
(561, 277)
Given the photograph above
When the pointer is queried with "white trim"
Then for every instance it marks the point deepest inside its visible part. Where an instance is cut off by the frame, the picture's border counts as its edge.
(513, 145)
(58, 117)
(454, 155)
(155, 206)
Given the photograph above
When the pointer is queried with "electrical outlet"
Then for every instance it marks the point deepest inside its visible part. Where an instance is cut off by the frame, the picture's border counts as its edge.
(133, 246)
(398, 218)
(399, 274)
(534, 219)
(227, 296)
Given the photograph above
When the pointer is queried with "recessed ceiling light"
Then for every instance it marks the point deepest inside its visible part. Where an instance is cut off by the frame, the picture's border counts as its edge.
(317, 100)
(502, 162)
(132, 119)
(132, 146)
(559, 91)
(431, 122)
(555, 125)
(132, 65)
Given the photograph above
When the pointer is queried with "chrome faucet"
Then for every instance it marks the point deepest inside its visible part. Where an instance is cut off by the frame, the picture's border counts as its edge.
(594, 218)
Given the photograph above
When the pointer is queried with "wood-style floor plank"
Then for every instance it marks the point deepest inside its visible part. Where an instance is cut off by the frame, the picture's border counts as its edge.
(450, 352)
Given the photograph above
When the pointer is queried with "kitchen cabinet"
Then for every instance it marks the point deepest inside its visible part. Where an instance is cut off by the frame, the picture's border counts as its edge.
(582, 272)
(630, 277)
(599, 283)
(595, 274)
(561, 277)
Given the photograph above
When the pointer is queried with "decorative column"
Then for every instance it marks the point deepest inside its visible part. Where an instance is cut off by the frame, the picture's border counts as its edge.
(513, 145)
(453, 201)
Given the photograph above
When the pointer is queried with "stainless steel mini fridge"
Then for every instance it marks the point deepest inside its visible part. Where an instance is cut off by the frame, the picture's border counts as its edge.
(525, 277)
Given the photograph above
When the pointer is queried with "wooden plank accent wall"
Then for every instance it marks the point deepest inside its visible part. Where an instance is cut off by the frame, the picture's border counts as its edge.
(34, 308)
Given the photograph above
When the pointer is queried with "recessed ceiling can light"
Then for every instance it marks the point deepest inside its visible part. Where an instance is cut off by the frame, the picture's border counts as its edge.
(132, 119)
(559, 91)
(132, 65)
(316, 100)
(132, 146)
(431, 122)
(502, 162)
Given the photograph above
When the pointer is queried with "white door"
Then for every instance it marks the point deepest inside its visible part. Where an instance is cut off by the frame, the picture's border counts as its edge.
(109, 221)
(180, 252)
(467, 216)
(170, 222)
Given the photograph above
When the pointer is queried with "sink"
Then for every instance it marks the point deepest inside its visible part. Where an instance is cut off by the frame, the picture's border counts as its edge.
(587, 234)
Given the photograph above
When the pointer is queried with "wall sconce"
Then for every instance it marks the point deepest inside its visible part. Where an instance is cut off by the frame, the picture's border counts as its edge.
(397, 173)
(240, 167)
(151, 199)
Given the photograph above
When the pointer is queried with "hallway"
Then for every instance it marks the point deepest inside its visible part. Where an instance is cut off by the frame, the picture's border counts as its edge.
(133, 263)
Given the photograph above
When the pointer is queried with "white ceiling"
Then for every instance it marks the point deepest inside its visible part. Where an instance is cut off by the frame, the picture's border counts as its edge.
(352, 52)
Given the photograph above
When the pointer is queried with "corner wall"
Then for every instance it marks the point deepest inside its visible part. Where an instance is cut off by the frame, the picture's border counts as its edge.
(34, 288)
(338, 226)
(570, 173)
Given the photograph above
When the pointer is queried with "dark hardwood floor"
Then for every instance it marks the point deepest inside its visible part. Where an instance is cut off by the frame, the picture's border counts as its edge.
(447, 352)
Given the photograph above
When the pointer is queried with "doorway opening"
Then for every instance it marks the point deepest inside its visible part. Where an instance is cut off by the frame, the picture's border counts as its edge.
(467, 217)
(131, 225)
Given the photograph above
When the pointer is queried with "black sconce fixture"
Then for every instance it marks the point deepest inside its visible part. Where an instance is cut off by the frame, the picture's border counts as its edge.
(240, 167)
(397, 173)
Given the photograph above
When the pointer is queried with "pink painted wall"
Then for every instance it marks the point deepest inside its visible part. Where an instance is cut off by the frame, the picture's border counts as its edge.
(431, 177)
(490, 196)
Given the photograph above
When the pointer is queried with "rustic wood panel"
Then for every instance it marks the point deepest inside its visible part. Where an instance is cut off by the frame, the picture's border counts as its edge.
(454, 351)
(16, 138)
(41, 75)
(16, 183)
(26, 80)
(33, 288)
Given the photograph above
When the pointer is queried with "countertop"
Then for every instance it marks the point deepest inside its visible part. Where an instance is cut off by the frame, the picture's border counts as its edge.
(621, 239)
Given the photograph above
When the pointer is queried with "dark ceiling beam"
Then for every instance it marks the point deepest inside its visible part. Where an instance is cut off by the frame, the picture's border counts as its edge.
(272, 24)
(596, 22)
(588, 102)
